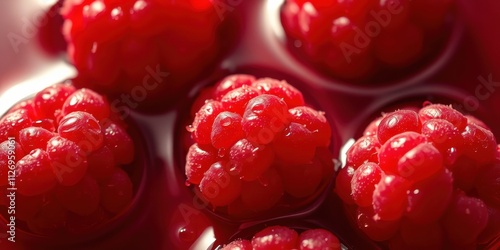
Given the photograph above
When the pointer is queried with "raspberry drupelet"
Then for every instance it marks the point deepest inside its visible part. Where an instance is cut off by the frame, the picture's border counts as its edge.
(425, 179)
(67, 160)
(366, 39)
(257, 147)
(281, 237)
(141, 48)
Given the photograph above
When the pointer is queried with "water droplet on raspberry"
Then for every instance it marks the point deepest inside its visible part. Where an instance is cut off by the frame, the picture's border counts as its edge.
(187, 234)
(258, 108)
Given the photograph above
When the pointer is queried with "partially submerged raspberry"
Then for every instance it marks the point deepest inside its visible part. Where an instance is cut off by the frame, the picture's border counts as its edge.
(366, 39)
(280, 237)
(63, 151)
(257, 147)
(424, 179)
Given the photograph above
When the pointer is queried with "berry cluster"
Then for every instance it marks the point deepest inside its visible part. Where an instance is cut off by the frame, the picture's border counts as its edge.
(153, 47)
(256, 144)
(63, 150)
(426, 179)
(354, 40)
(280, 237)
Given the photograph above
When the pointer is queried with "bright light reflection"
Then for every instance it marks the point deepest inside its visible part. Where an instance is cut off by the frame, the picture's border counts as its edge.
(56, 73)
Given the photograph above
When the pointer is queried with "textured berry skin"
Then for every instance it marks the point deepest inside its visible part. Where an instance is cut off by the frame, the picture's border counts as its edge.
(256, 146)
(139, 47)
(360, 40)
(281, 237)
(68, 150)
(425, 179)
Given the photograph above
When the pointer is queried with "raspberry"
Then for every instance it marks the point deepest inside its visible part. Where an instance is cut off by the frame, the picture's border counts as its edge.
(69, 161)
(88, 101)
(68, 150)
(232, 82)
(250, 161)
(364, 149)
(302, 180)
(198, 160)
(204, 120)
(264, 117)
(80, 224)
(34, 173)
(256, 146)
(294, 144)
(488, 185)
(48, 102)
(264, 193)
(49, 35)
(275, 237)
(397, 122)
(238, 245)
(116, 191)
(101, 163)
(465, 219)
(5, 148)
(432, 183)
(375, 228)
(141, 48)
(119, 142)
(426, 204)
(281, 237)
(226, 130)
(343, 185)
(12, 123)
(81, 126)
(318, 239)
(363, 183)
(362, 40)
(313, 121)
(218, 186)
(34, 137)
(389, 197)
(81, 198)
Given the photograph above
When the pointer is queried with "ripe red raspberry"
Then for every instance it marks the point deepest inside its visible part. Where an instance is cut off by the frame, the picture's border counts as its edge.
(257, 147)
(67, 150)
(280, 237)
(141, 48)
(424, 179)
(363, 40)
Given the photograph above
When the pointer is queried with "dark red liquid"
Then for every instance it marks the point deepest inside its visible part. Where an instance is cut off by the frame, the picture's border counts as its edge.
(168, 216)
